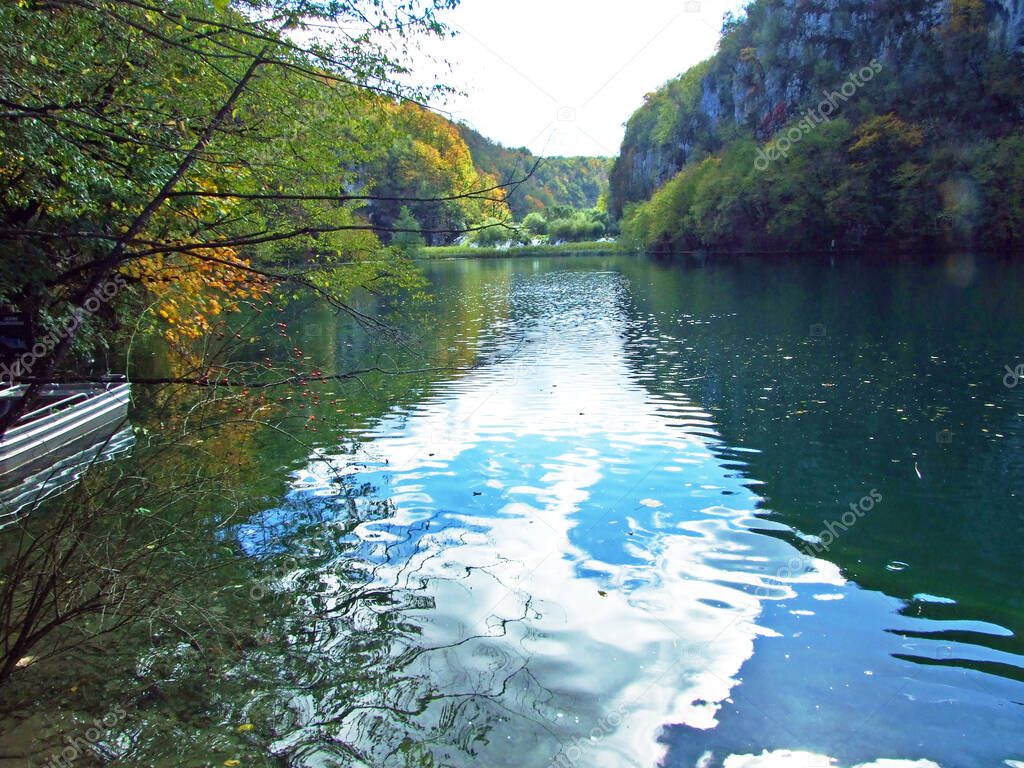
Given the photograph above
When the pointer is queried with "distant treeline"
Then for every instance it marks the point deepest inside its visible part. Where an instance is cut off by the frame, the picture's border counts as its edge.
(430, 157)
(577, 182)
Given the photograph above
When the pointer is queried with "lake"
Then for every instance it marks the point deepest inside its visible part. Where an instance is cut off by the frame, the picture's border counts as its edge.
(653, 514)
(678, 514)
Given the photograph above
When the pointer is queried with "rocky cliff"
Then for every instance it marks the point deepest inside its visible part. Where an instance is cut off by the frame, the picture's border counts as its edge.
(951, 60)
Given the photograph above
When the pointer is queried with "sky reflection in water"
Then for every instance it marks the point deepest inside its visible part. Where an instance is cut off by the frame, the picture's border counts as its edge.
(583, 562)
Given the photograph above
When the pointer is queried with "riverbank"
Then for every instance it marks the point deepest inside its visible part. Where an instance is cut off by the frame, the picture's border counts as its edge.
(467, 251)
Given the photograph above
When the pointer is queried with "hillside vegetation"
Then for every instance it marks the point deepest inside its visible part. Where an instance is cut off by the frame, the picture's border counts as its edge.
(576, 182)
(835, 122)
(428, 157)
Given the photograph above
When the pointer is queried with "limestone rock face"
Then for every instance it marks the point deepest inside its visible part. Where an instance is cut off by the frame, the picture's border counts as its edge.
(781, 60)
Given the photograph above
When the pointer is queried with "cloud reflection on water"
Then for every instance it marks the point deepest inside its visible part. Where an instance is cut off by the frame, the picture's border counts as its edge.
(581, 554)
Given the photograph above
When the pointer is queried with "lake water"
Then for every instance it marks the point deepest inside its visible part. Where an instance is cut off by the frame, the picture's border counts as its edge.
(743, 512)
(674, 515)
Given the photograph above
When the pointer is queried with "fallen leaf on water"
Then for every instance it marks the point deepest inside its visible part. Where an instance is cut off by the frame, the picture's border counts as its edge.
(245, 727)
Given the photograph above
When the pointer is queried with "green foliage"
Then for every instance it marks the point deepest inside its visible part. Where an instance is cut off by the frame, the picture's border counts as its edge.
(428, 167)
(494, 232)
(565, 224)
(197, 152)
(535, 224)
(578, 182)
(998, 169)
(886, 181)
(409, 238)
(920, 154)
(578, 226)
(428, 157)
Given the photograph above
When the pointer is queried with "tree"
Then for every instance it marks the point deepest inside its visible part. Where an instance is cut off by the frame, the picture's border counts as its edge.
(428, 164)
(408, 235)
(535, 224)
(576, 226)
(168, 162)
(494, 232)
(175, 147)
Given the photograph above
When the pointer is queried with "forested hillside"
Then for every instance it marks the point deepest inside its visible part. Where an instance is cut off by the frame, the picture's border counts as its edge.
(577, 182)
(428, 156)
(821, 121)
(424, 170)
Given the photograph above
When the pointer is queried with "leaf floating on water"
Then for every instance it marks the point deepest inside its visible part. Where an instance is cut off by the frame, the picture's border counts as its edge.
(232, 762)
(245, 727)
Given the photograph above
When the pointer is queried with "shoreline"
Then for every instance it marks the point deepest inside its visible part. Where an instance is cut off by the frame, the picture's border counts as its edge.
(871, 253)
(463, 251)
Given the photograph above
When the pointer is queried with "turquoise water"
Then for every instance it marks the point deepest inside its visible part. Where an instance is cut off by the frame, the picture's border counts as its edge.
(625, 536)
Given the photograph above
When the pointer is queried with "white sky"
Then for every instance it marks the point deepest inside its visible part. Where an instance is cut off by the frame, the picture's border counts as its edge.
(561, 77)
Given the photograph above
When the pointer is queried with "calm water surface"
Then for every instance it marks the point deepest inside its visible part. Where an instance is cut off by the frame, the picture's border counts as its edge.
(625, 536)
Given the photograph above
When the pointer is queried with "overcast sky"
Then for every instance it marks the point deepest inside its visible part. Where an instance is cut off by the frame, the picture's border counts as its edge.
(562, 76)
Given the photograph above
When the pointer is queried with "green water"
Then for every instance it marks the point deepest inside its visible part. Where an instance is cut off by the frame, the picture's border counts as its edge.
(621, 532)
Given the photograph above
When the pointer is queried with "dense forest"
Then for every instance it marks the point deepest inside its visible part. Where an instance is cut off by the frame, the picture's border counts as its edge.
(578, 182)
(549, 199)
(429, 156)
(202, 158)
(424, 160)
(835, 123)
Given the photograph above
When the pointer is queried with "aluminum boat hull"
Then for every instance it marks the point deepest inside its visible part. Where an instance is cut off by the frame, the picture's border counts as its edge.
(82, 414)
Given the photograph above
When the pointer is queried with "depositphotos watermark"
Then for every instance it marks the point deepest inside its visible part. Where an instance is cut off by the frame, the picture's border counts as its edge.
(570, 756)
(1013, 376)
(87, 741)
(824, 540)
(849, 518)
(24, 363)
(267, 582)
(814, 117)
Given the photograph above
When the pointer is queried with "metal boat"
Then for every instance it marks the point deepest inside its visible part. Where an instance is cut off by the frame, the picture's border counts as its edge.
(31, 490)
(67, 419)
